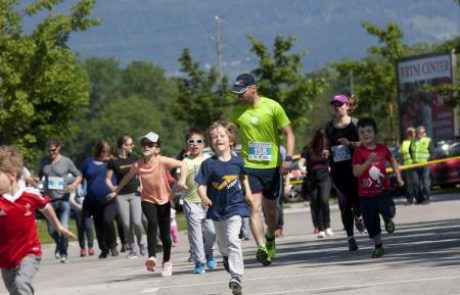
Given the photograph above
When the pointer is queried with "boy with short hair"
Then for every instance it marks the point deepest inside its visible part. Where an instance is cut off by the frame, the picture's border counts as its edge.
(373, 183)
(220, 180)
(20, 250)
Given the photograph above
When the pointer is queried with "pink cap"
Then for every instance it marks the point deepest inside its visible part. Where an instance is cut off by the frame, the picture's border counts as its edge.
(340, 98)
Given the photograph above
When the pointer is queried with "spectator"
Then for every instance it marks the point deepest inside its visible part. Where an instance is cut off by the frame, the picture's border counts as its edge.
(405, 153)
(421, 149)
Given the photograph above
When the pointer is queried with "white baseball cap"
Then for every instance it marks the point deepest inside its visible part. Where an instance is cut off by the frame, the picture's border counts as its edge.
(151, 136)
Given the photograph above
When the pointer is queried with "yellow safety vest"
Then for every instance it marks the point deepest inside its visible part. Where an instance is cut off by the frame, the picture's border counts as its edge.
(420, 150)
(404, 152)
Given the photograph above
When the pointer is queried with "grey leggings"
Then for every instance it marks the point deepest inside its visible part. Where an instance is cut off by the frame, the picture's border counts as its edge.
(130, 211)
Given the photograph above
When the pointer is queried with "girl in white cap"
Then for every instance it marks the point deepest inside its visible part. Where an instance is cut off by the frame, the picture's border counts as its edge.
(156, 193)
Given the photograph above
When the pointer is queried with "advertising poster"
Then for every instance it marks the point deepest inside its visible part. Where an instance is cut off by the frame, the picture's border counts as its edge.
(420, 105)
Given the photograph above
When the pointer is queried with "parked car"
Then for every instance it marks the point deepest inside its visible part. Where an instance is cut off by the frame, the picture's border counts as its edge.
(446, 174)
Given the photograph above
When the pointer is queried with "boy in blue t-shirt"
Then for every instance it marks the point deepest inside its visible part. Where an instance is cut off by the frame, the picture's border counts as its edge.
(220, 181)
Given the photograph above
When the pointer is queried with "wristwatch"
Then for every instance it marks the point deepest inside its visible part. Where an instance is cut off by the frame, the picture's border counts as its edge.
(288, 158)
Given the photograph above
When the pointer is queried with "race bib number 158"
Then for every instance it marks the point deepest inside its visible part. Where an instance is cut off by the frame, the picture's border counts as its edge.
(260, 151)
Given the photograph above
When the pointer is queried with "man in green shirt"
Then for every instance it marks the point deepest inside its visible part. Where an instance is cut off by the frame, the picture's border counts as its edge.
(260, 121)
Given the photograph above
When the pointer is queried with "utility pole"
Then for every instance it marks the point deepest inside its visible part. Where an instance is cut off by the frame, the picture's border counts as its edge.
(218, 48)
(352, 83)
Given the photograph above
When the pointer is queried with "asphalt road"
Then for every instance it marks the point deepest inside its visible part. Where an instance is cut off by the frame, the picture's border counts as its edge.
(422, 257)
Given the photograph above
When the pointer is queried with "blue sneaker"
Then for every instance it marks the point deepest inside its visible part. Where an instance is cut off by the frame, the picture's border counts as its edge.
(211, 263)
(199, 268)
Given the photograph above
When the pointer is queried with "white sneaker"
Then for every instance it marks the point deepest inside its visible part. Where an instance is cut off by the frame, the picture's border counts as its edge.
(167, 269)
(321, 235)
(329, 231)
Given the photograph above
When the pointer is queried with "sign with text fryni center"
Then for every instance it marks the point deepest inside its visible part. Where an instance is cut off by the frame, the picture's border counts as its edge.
(418, 103)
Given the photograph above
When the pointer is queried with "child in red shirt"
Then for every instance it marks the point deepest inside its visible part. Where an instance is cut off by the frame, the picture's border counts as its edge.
(20, 250)
(373, 184)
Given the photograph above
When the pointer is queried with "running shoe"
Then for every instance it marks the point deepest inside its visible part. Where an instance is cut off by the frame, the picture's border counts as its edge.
(262, 255)
(352, 245)
(359, 222)
(199, 268)
(167, 269)
(82, 252)
(103, 255)
(389, 225)
(211, 262)
(321, 235)
(225, 263)
(271, 247)
(151, 263)
(329, 232)
(378, 252)
(64, 259)
(132, 253)
(114, 251)
(57, 255)
(91, 251)
(142, 249)
(235, 285)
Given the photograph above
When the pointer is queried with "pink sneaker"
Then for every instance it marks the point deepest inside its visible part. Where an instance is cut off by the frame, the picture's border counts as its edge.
(151, 263)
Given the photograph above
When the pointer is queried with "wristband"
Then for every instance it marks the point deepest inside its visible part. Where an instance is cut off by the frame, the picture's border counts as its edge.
(288, 158)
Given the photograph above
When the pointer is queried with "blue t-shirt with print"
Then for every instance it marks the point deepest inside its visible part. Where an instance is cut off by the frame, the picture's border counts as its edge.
(224, 187)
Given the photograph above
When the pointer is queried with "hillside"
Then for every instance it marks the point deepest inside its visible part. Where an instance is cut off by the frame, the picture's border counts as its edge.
(329, 30)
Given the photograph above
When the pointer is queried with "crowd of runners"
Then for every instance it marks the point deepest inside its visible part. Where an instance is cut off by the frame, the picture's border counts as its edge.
(222, 191)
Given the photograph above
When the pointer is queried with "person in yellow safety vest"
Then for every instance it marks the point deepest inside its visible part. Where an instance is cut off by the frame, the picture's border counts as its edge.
(420, 150)
(404, 152)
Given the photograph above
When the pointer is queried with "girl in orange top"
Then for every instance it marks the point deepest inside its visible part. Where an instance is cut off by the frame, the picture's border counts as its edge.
(156, 195)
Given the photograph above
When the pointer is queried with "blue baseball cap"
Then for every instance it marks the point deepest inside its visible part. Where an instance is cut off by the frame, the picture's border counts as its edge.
(242, 82)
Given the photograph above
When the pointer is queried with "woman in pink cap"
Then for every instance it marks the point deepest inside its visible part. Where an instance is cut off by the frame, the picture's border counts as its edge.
(342, 136)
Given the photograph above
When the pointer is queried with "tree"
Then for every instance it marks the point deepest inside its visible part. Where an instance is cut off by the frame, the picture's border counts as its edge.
(280, 77)
(136, 100)
(42, 87)
(202, 98)
(375, 77)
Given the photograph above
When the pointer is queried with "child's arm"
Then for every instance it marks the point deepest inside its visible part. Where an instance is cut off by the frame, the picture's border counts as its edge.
(49, 213)
(359, 169)
(72, 201)
(124, 181)
(205, 201)
(248, 191)
(395, 166)
(183, 175)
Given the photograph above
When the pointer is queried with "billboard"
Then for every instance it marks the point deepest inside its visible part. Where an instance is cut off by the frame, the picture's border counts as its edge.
(421, 105)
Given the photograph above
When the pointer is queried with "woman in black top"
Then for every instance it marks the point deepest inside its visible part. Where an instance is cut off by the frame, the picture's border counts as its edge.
(342, 136)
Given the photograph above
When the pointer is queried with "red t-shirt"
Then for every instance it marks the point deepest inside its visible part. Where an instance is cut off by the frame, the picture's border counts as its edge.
(18, 229)
(375, 179)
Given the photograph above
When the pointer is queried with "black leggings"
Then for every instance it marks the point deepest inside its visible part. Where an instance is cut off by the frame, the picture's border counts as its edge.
(347, 195)
(158, 216)
(320, 192)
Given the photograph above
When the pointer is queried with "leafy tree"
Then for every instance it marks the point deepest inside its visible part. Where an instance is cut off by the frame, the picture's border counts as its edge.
(105, 76)
(375, 76)
(42, 87)
(280, 77)
(203, 98)
(138, 100)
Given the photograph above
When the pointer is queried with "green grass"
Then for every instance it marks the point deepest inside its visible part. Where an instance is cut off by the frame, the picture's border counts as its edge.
(45, 238)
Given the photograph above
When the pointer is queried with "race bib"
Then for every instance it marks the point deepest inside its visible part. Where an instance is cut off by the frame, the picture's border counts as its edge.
(340, 153)
(56, 183)
(260, 151)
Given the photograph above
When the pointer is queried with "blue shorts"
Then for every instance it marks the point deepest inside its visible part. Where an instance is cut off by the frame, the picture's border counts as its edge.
(373, 207)
(265, 181)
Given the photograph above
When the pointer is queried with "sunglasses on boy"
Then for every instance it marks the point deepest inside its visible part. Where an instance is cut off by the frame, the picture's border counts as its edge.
(195, 141)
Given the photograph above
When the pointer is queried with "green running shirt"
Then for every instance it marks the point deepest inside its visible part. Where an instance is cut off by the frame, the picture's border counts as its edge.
(259, 127)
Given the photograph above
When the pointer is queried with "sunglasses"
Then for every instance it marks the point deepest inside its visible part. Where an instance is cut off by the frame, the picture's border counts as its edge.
(52, 150)
(338, 104)
(193, 141)
(149, 144)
